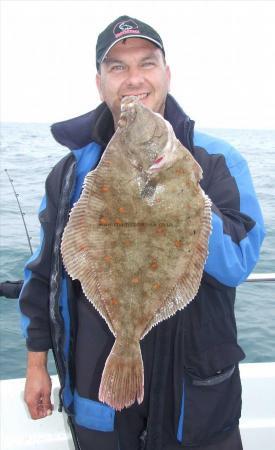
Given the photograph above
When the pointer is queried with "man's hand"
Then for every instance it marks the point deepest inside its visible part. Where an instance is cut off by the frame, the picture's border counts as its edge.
(38, 386)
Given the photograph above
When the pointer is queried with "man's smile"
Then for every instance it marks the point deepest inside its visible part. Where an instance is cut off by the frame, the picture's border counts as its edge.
(139, 96)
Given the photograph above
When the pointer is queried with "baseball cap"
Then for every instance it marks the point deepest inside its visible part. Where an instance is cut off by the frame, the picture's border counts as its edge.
(122, 28)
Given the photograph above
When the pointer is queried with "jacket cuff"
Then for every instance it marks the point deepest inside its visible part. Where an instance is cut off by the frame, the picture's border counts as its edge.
(38, 345)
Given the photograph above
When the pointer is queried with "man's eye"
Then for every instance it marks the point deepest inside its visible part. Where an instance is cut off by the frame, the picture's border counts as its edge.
(148, 64)
(117, 68)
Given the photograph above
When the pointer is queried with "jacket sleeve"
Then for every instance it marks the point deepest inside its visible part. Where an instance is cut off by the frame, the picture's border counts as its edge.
(237, 222)
(34, 296)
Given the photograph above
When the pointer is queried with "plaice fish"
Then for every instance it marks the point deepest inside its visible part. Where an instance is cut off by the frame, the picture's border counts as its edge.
(137, 240)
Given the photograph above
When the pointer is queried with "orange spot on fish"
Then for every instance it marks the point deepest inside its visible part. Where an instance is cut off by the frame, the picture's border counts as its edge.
(178, 243)
(121, 209)
(154, 265)
(103, 221)
(135, 280)
(141, 226)
(114, 301)
(180, 171)
(118, 221)
(104, 188)
(107, 258)
(127, 242)
(156, 286)
(160, 231)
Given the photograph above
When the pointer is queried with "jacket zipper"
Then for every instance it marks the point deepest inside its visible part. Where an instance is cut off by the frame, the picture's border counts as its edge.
(57, 325)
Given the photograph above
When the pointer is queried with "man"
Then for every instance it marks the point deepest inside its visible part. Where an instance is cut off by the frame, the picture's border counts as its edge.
(192, 384)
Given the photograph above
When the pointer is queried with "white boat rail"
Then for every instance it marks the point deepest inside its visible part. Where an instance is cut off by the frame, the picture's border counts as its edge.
(254, 277)
(19, 432)
(257, 425)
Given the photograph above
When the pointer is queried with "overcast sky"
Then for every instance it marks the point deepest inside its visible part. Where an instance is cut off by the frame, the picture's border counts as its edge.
(221, 54)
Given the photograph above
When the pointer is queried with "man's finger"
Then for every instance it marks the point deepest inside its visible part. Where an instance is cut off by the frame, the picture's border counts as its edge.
(42, 411)
(47, 409)
(45, 406)
(38, 409)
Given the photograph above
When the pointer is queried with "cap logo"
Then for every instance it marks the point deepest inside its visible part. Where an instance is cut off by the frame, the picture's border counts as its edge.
(126, 27)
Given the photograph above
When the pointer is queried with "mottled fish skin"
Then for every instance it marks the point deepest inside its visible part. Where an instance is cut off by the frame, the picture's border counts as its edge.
(137, 240)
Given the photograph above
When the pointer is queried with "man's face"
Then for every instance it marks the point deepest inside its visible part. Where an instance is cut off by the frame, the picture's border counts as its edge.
(134, 67)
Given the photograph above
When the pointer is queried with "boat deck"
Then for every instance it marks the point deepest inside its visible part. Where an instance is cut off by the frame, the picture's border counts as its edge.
(19, 431)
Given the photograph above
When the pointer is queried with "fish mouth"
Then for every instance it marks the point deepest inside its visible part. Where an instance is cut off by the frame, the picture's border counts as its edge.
(128, 111)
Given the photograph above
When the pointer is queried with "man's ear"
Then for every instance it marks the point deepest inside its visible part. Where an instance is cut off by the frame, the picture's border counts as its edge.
(98, 85)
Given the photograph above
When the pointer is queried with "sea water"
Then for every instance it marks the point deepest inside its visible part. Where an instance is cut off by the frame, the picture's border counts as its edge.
(29, 152)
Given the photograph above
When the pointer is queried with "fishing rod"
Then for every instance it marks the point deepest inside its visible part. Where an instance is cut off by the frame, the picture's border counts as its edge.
(20, 209)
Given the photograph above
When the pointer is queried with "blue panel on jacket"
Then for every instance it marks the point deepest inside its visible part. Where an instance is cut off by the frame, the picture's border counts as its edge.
(87, 159)
(93, 415)
(25, 321)
(230, 262)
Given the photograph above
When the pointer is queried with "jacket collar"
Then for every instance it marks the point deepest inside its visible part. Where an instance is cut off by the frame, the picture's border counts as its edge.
(98, 126)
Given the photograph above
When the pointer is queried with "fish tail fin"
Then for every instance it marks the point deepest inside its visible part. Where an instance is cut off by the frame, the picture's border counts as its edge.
(122, 381)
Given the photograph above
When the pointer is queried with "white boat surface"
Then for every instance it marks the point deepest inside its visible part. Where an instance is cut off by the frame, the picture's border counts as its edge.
(19, 431)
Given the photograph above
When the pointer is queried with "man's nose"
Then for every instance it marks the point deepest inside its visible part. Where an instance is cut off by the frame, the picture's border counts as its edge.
(134, 76)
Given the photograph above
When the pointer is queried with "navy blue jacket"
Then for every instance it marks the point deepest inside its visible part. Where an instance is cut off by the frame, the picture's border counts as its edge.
(201, 378)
